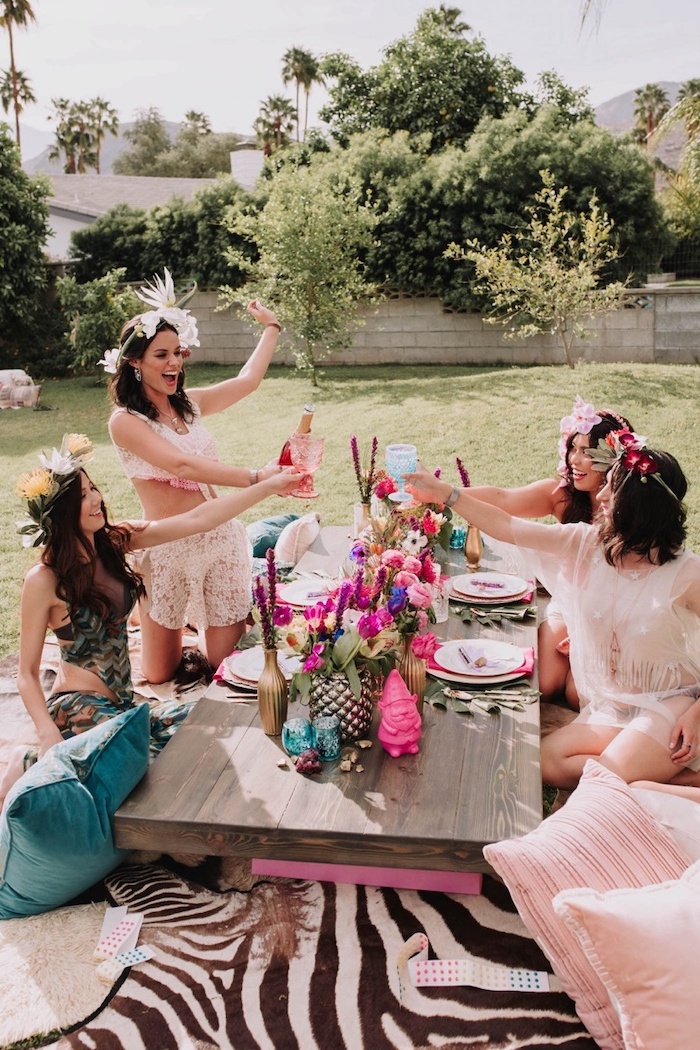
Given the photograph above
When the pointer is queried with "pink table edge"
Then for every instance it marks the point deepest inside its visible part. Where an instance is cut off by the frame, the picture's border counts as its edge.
(364, 875)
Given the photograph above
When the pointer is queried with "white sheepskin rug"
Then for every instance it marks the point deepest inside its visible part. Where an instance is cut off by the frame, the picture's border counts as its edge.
(47, 973)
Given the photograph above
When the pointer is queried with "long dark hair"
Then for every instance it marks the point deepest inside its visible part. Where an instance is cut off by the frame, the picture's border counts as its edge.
(127, 392)
(579, 506)
(73, 558)
(644, 516)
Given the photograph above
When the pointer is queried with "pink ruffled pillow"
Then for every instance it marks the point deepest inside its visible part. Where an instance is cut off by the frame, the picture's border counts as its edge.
(602, 839)
(644, 944)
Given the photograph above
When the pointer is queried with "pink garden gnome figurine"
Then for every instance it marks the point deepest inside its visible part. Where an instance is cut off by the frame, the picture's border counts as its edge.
(400, 726)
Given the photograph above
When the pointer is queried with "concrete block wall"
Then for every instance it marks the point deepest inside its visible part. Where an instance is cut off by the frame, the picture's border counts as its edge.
(654, 325)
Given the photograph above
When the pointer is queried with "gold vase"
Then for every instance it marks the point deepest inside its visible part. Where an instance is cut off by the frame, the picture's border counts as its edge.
(473, 548)
(273, 695)
(413, 671)
(361, 516)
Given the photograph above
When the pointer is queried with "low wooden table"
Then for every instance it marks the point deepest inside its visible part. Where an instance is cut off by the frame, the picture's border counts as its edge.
(217, 788)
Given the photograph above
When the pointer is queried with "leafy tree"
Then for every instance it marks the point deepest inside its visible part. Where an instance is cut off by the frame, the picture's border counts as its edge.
(116, 241)
(24, 228)
(17, 92)
(196, 153)
(570, 103)
(310, 239)
(301, 67)
(95, 311)
(546, 276)
(650, 104)
(274, 123)
(17, 13)
(432, 81)
(682, 193)
(148, 143)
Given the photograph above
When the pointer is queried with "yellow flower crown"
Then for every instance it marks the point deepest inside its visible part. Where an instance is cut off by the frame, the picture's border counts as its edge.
(40, 487)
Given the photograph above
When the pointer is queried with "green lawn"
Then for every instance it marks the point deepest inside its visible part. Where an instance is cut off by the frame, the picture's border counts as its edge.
(503, 422)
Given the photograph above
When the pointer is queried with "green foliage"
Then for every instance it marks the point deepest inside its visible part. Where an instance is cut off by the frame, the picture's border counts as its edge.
(24, 228)
(141, 243)
(196, 153)
(547, 276)
(95, 311)
(431, 81)
(117, 240)
(310, 238)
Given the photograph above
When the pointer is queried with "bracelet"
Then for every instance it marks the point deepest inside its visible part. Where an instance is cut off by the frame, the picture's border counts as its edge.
(452, 498)
(253, 477)
(274, 324)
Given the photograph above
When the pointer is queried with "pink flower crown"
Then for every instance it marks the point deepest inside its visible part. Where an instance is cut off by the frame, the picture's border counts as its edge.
(629, 449)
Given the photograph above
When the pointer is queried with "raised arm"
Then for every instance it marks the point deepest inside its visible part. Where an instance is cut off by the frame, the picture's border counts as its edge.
(135, 435)
(495, 522)
(38, 603)
(222, 395)
(213, 512)
(537, 500)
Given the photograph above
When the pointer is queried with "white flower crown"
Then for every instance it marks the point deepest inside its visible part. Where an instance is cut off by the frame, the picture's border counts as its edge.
(166, 310)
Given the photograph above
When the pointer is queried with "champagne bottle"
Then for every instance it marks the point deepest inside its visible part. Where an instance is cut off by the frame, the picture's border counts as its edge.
(303, 427)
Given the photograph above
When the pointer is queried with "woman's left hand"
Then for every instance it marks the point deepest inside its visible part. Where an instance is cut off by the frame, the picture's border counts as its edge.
(425, 487)
(261, 313)
(273, 467)
(684, 738)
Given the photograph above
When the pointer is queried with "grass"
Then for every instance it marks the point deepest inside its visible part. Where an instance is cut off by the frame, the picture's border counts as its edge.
(502, 422)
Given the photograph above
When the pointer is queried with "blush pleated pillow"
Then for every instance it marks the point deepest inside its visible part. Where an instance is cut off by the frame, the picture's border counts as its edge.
(602, 839)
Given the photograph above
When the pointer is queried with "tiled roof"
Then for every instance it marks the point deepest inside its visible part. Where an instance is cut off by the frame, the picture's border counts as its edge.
(93, 195)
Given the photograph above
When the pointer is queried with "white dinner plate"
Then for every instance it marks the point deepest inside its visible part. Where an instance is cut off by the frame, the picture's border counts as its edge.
(303, 593)
(246, 666)
(501, 657)
(461, 679)
(491, 587)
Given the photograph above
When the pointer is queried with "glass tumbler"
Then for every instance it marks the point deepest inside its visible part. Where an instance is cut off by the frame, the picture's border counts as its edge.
(327, 730)
(400, 459)
(297, 735)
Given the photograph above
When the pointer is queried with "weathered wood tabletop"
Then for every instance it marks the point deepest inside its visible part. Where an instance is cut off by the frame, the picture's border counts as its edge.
(217, 787)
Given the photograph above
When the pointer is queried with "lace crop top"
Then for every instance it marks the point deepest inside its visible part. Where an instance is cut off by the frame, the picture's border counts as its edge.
(196, 442)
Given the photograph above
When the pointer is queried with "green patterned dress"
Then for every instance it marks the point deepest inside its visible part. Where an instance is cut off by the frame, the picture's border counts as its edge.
(101, 645)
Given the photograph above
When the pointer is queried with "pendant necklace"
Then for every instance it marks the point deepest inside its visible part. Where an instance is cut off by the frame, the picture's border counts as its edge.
(175, 420)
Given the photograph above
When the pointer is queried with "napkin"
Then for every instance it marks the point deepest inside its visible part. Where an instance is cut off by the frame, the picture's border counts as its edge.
(526, 667)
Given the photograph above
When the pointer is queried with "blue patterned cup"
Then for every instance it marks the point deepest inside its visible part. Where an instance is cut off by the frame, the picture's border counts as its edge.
(327, 730)
(457, 537)
(297, 735)
(400, 459)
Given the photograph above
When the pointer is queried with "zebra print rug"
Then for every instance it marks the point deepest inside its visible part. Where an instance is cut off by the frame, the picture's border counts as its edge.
(311, 966)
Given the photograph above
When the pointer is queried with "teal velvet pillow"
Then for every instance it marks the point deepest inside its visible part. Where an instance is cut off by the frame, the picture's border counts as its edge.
(56, 824)
(265, 533)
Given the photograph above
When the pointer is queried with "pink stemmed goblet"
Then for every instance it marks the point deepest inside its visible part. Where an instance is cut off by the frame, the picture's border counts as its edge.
(306, 451)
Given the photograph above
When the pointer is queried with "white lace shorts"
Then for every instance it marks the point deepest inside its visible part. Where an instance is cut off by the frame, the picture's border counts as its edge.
(203, 579)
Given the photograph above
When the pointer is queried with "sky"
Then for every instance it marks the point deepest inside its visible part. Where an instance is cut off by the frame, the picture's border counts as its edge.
(222, 57)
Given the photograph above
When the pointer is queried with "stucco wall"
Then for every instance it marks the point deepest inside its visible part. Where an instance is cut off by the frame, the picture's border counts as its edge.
(654, 325)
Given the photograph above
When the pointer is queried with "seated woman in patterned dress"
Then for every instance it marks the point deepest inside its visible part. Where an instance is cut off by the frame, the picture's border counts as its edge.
(630, 595)
(171, 459)
(83, 588)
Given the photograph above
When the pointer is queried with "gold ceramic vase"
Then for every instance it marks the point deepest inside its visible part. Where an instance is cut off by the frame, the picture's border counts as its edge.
(273, 695)
(413, 671)
(473, 548)
(361, 516)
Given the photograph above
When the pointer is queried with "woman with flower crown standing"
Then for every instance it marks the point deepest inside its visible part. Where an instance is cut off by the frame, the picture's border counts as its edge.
(83, 588)
(572, 498)
(630, 595)
(172, 462)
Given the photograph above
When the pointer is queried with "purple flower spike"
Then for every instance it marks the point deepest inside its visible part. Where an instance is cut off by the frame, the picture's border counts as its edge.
(463, 473)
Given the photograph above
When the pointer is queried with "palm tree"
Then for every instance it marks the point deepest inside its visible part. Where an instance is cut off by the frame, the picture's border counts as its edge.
(76, 136)
(15, 13)
(197, 123)
(274, 123)
(24, 95)
(650, 105)
(450, 18)
(104, 119)
(303, 68)
(687, 107)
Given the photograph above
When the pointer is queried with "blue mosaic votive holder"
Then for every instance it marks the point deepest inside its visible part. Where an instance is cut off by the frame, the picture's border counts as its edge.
(297, 735)
(458, 537)
(327, 730)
